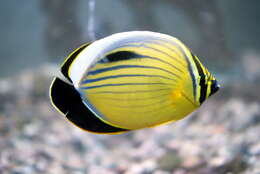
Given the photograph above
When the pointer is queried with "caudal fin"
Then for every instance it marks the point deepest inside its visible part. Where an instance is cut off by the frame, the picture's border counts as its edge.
(67, 100)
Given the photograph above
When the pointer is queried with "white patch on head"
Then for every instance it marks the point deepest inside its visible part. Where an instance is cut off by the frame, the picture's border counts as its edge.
(96, 50)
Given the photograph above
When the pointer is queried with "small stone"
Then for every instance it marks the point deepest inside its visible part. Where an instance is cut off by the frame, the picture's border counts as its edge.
(179, 171)
(191, 161)
(255, 149)
(161, 172)
(236, 165)
(147, 166)
(23, 170)
(169, 161)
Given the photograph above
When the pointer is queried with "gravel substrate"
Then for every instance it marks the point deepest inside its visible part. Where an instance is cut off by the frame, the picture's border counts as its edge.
(222, 137)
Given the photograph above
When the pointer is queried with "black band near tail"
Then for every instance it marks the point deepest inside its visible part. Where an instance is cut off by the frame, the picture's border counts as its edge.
(66, 98)
(203, 85)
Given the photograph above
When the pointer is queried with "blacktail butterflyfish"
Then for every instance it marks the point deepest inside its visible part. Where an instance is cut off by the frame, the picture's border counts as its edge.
(129, 81)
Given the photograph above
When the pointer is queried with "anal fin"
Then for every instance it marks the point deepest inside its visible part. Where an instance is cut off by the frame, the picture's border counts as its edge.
(67, 100)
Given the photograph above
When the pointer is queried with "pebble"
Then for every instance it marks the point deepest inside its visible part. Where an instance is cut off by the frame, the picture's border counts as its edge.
(223, 136)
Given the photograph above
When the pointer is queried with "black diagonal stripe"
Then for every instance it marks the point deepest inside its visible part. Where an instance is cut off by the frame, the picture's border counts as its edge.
(203, 85)
(67, 64)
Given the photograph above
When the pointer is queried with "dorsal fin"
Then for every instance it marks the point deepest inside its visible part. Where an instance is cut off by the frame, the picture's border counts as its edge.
(67, 63)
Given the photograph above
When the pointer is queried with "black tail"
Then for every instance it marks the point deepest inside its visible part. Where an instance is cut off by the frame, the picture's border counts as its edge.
(67, 100)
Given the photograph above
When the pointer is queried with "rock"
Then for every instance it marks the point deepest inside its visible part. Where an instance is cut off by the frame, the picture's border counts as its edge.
(255, 150)
(236, 165)
(145, 167)
(161, 172)
(169, 161)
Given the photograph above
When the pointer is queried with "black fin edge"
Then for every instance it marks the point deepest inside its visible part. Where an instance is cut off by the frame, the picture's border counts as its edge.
(66, 65)
(67, 100)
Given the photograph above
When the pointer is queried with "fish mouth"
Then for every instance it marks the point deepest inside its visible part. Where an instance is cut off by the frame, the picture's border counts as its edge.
(214, 87)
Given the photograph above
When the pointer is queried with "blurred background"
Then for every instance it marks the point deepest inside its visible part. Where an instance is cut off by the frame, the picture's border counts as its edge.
(223, 136)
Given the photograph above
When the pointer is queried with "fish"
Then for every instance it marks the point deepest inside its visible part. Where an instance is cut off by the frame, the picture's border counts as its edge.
(129, 81)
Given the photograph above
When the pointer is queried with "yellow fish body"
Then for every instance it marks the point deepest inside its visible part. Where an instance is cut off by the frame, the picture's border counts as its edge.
(129, 81)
